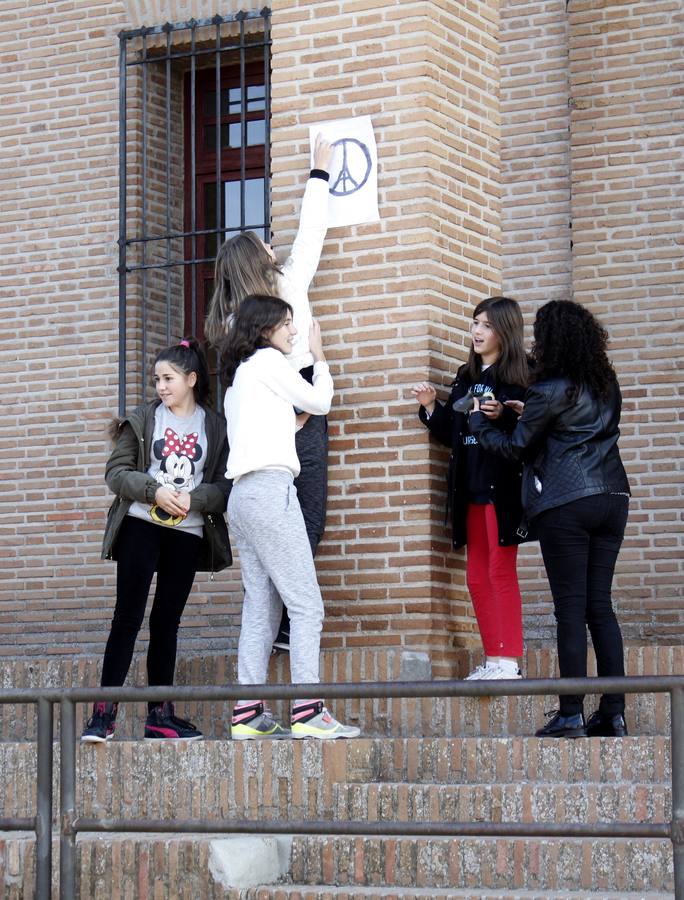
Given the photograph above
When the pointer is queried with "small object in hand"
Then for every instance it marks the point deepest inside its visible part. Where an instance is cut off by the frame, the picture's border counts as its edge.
(465, 404)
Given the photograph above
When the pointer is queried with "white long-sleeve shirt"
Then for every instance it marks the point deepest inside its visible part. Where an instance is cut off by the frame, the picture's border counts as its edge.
(259, 409)
(300, 267)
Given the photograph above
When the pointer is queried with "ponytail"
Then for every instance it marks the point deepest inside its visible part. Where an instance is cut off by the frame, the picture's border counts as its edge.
(188, 356)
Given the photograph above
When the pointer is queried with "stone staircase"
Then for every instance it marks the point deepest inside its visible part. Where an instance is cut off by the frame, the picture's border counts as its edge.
(437, 760)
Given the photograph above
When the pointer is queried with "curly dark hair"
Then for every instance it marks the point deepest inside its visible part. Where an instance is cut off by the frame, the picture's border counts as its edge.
(256, 316)
(570, 342)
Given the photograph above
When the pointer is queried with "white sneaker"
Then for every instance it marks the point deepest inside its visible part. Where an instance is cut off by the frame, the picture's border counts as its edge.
(479, 673)
(314, 720)
(498, 672)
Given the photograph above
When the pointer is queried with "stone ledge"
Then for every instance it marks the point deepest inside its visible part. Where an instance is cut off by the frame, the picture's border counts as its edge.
(299, 779)
(647, 714)
(113, 866)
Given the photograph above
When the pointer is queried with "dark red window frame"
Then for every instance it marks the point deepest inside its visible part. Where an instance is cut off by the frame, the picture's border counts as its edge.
(205, 173)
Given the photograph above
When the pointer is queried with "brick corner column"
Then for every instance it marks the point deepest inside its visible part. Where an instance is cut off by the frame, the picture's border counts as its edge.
(394, 297)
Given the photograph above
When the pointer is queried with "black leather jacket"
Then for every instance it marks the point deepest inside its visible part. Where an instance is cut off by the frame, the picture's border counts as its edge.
(568, 441)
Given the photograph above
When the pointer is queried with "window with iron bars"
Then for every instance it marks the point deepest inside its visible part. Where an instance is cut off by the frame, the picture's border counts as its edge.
(194, 137)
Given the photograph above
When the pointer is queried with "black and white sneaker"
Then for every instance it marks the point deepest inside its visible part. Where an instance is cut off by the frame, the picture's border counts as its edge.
(282, 642)
(100, 727)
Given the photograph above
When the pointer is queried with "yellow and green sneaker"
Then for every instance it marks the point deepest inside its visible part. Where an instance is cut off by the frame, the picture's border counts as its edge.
(255, 722)
(312, 719)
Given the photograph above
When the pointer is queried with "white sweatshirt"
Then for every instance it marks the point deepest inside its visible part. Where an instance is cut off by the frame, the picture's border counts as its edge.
(300, 267)
(259, 409)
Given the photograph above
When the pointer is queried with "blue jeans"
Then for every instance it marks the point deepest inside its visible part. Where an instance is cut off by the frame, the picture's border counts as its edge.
(580, 542)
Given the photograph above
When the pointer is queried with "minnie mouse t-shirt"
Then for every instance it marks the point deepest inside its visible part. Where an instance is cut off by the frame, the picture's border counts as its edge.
(178, 452)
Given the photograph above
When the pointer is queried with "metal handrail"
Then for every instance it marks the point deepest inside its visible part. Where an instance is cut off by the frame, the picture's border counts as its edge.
(71, 823)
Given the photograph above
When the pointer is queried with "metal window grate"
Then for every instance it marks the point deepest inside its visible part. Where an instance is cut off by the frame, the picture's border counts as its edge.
(194, 138)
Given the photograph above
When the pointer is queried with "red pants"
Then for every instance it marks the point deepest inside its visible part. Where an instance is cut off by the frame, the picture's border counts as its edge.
(493, 584)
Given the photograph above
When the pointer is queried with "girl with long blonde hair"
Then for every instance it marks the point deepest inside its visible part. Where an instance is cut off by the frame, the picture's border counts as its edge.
(246, 266)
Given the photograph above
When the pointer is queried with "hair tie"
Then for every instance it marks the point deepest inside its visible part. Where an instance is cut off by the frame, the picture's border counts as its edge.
(184, 343)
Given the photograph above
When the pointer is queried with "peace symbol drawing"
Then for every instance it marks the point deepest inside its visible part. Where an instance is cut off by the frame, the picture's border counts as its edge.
(355, 168)
(353, 184)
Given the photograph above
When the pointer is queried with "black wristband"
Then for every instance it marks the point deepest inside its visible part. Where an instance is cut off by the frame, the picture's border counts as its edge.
(320, 173)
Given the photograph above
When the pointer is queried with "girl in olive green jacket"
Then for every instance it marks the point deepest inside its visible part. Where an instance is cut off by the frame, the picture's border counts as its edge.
(167, 470)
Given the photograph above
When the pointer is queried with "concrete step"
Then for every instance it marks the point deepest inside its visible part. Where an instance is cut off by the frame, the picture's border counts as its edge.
(647, 714)
(115, 867)
(298, 779)
(503, 802)
(181, 867)
(323, 892)
(510, 760)
(571, 864)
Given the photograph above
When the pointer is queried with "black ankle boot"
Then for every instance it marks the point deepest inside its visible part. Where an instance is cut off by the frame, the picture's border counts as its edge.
(604, 725)
(563, 726)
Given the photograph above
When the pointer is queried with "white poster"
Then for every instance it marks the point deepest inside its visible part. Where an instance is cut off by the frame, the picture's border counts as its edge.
(353, 186)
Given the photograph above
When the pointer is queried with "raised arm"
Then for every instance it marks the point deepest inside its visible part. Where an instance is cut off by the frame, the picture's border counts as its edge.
(437, 417)
(300, 266)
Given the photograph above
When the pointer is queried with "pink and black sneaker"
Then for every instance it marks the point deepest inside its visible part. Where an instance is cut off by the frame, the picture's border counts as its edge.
(100, 727)
(162, 724)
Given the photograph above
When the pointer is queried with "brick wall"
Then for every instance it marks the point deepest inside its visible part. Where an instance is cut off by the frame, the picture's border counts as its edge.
(58, 134)
(393, 297)
(537, 218)
(475, 195)
(59, 139)
(591, 143)
(628, 232)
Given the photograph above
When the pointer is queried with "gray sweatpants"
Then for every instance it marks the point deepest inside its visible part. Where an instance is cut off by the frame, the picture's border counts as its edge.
(267, 527)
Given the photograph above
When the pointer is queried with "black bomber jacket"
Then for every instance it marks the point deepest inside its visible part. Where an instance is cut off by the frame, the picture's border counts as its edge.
(448, 427)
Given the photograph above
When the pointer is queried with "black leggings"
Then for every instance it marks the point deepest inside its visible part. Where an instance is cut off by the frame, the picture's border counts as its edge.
(142, 548)
(312, 482)
(580, 542)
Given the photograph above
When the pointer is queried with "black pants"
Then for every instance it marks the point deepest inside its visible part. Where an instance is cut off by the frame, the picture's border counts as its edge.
(141, 549)
(580, 542)
(311, 443)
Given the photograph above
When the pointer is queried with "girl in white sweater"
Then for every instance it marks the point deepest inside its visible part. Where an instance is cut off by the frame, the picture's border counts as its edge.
(246, 266)
(265, 517)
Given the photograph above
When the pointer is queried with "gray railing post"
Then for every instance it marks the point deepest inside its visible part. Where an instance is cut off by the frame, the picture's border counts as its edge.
(67, 763)
(44, 801)
(122, 226)
(677, 763)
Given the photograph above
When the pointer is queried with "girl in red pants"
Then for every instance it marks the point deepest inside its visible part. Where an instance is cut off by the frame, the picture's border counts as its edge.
(483, 492)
